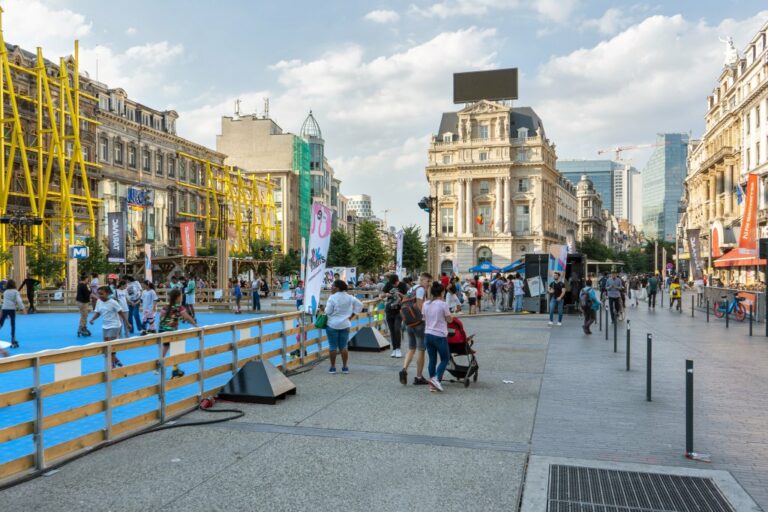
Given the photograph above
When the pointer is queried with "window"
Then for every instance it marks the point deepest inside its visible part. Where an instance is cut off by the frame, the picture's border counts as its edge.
(484, 220)
(483, 131)
(522, 219)
(522, 133)
(69, 148)
(446, 221)
(447, 138)
(132, 157)
(749, 164)
(522, 185)
(193, 172)
(747, 124)
(484, 254)
(483, 156)
(182, 169)
(131, 115)
(484, 187)
(447, 188)
(757, 153)
(757, 116)
(171, 167)
(159, 164)
(522, 154)
(446, 159)
(104, 149)
(118, 152)
(145, 160)
(86, 154)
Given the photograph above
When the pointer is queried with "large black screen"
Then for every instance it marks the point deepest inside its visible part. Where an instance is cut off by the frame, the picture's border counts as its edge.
(497, 84)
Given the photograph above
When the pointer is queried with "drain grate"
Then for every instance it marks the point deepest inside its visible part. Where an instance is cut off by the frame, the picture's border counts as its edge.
(584, 489)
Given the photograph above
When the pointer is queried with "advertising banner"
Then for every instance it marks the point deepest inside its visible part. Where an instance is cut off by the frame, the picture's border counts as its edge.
(748, 233)
(148, 262)
(697, 264)
(188, 247)
(317, 253)
(352, 275)
(399, 255)
(116, 225)
(558, 254)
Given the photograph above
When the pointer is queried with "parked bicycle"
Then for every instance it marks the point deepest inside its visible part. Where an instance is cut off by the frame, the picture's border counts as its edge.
(734, 307)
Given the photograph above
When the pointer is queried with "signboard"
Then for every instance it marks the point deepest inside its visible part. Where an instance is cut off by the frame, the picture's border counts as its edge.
(535, 286)
(317, 253)
(79, 252)
(496, 84)
(748, 233)
(116, 237)
(188, 239)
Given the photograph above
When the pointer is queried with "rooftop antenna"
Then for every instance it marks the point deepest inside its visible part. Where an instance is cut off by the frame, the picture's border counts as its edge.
(266, 108)
(237, 107)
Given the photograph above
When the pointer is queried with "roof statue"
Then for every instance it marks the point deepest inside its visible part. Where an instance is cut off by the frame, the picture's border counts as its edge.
(731, 53)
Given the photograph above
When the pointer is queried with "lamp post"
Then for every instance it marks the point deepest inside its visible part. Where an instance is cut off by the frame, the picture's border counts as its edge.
(249, 216)
(428, 204)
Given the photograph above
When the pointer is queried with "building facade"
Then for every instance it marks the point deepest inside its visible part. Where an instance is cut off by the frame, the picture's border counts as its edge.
(590, 205)
(491, 171)
(601, 173)
(663, 179)
(567, 212)
(360, 205)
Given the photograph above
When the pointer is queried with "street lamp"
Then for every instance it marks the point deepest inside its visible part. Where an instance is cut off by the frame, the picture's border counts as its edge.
(249, 216)
(20, 226)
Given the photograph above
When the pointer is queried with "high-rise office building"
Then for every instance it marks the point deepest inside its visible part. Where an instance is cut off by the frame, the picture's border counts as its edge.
(602, 174)
(663, 186)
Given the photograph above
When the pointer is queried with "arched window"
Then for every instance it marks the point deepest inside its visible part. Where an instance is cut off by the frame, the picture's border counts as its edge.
(484, 254)
(447, 267)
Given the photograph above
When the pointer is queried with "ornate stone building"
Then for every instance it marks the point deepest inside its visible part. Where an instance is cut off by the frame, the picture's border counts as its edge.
(590, 223)
(492, 172)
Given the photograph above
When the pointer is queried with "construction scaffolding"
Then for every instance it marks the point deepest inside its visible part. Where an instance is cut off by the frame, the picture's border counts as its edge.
(243, 203)
(301, 159)
(43, 172)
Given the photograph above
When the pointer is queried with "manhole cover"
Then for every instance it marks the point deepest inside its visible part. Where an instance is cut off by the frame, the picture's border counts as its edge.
(577, 489)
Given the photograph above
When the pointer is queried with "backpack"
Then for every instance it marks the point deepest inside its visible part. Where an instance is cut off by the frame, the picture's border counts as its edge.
(409, 310)
(602, 283)
(393, 300)
(585, 299)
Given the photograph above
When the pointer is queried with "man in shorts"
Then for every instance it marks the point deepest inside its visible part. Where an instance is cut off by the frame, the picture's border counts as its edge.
(114, 318)
(416, 335)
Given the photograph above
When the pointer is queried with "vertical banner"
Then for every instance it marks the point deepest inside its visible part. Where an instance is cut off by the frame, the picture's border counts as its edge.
(399, 255)
(558, 255)
(694, 253)
(188, 247)
(317, 252)
(352, 275)
(148, 262)
(116, 225)
(748, 233)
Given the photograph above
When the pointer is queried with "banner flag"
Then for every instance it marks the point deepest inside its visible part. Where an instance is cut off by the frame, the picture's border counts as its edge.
(148, 262)
(317, 253)
(695, 253)
(116, 225)
(748, 233)
(558, 255)
(399, 254)
(188, 247)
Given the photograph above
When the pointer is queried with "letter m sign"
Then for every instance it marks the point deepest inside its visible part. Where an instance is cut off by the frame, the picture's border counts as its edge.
(78, 252)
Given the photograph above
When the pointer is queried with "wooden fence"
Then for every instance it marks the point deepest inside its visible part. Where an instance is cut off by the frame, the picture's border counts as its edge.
(209, 355)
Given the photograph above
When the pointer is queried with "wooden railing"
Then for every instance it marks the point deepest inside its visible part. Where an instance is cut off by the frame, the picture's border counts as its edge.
(209, 355)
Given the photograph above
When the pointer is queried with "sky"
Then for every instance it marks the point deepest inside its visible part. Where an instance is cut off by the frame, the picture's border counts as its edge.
(378, 75)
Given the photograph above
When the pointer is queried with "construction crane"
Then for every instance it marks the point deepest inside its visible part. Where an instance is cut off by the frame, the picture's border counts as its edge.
(619, 149)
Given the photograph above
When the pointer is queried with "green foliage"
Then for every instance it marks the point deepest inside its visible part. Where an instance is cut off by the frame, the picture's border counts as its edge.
(368, 251)
(636, 260)
(595, 250)
(96, 260)
(414, 249)
(340, 249)
(287, 264)
(41, 263)
(207, 250)
(5, 256)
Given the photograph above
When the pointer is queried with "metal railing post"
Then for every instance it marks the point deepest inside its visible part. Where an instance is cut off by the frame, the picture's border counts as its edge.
(688, 406)
(727, 307)
(615, 332)
(302, 337)
(108, 390)
(628, 346)
(607, 322)
(692, 304)
(235, 357)
(284, 345)
(161, 369)
(648, 363)
(707, 309)
(201, 362)
(750, 319)
(260, 335)
(38, 433)
(601, 318)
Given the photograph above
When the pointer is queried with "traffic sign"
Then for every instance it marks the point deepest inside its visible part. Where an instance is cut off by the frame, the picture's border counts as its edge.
(79, 252)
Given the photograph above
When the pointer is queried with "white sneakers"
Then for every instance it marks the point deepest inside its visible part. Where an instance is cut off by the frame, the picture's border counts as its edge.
(436, 383)
(396, 353)
(559, 323)
(550, 323)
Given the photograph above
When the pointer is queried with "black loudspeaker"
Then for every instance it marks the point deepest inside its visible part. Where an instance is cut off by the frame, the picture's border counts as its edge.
(258, 382)
(368, 339)
(763, 248)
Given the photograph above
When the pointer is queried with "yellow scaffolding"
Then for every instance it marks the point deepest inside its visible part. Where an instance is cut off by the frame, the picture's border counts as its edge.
(247, 202)
(43, 155)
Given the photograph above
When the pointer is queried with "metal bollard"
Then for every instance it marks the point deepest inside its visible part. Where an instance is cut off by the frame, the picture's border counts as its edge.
(726, 315)
(750, 319)
(692, 304)
(648, 363)
(607, 321)
(601, 318)
(707, 310)
(628, 344)
(688, 407)
(615, 329)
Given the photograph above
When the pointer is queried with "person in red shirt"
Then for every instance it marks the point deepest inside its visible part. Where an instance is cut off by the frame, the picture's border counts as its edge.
(479, 286)
(445, 280)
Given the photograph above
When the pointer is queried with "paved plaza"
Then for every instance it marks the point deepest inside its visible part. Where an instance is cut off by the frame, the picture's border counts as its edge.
(365, 442)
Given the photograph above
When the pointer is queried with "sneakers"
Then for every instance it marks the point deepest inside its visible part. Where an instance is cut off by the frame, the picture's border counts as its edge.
(559, 324)
(332, 370)
(398, 354)
(393, 353)
(550, 323)
(116, 363)
(404, 377)
(345, 370)
(420, 381)
(436, 383)
(14, 344)
(432, 389)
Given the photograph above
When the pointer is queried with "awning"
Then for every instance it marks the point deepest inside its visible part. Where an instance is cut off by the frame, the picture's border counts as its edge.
(484, 268)
(740, 258)
(515, 265)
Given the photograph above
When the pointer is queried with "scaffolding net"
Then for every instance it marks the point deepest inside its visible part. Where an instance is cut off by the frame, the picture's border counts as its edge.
(301, 167)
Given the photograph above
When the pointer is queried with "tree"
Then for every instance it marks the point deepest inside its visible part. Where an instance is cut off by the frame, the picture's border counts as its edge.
(287, 264)
(41, 263)
(414, 250)
(340, 250)
(368, 251)
(635, 259)
(96, 262)
(594, 249)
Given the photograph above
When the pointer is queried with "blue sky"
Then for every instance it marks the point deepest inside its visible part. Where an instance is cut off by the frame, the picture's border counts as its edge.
(378, 74)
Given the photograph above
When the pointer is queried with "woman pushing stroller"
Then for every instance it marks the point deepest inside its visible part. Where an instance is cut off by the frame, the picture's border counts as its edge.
(436, 317)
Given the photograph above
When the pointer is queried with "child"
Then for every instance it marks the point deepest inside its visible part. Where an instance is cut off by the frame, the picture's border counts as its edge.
(452, 299)
(121, 296)
(114, 318)
(11, 302)
(471, 297)
(299, 293)
(148, 305)
(237, 291)
(436, 318)
(169, 321)
(675, 293)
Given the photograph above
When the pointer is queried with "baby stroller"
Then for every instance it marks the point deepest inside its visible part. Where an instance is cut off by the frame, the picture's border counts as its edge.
(459, 344)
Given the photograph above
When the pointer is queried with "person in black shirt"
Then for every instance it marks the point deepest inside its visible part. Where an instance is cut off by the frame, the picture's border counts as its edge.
(393, 292)
(30, 284)
(556, 295)
(83, 300)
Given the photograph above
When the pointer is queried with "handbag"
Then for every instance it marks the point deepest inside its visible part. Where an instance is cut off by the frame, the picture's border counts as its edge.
(321, 322)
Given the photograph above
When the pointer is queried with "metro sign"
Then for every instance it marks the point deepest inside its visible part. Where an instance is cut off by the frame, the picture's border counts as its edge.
(79, 252)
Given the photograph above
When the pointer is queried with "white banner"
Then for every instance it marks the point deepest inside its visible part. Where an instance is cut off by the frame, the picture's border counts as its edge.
(148, 262)
(399, 255)
(352, 275)
(317, 253)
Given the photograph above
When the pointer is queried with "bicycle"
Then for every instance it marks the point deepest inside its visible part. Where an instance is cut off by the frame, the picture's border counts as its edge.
(734, 307)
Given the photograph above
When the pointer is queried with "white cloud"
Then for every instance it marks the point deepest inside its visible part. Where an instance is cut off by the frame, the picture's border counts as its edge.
(382, 16)
(652, 77)
(555, 10)
(130, 31)
(203, 123)
(32, 23)
(154, 54)
(609, 23)
(551, 10)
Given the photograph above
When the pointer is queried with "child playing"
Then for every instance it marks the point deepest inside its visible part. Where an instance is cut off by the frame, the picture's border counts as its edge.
(237, 291)
(121, 295)
(299, 293)
(169, 321)
(148, 307)
(114, 318)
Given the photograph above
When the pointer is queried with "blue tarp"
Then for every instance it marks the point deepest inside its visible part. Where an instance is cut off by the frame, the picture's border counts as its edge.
(484, 268)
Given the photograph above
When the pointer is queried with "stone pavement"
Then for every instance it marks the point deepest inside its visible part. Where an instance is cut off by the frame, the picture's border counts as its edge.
(364, 442)
(590, 407)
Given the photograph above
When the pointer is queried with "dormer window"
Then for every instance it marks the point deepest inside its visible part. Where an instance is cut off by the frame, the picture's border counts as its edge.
(522, 133)
(447, 138)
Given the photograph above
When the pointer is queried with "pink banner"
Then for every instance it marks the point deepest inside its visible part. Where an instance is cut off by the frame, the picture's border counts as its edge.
(188, 247)
(317, 253)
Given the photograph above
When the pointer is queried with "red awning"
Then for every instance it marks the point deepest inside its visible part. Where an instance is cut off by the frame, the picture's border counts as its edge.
(740, 258)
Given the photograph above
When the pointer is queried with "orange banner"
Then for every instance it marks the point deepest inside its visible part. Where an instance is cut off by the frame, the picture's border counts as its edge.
(748, 233)
(188, 239)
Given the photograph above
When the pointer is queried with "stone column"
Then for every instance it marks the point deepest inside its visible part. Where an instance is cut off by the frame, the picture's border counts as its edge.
(468, 226)
(498, 221)
(460, 207)
(728, 185)
(718, 204)
(712, 195)
(507, 205)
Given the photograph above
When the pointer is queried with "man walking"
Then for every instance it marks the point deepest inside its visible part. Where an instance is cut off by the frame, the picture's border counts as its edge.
(415, 332)
(30, 283)
(556, 295)
(653, 287)
(613, 288)
(589, 305)
(256, 293)
(393, 292)
(83, 299)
